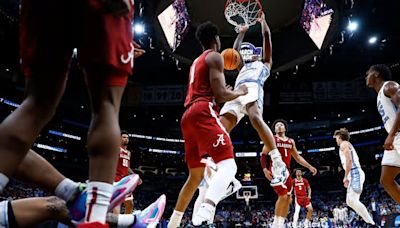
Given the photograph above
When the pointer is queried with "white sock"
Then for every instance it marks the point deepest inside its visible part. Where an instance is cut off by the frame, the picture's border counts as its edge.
(205, 214)
(226, 171)
(281, 221)
(275, 222)
(98, 200)
(126, 220)
(66, 189)
(3, 181)
(175, 220)
(275, 155)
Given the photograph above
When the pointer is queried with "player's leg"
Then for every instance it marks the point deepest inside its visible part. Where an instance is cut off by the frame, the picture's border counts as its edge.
(199, 200)
(186, 195)
(37, 171)
(229, 121)
(117, 210)
(226, 171)
(296, 214)
(353, 200)
(103, 137)
(388, 180)
(128, 205)
(309, 214)
(281, 210)
(31, 212)
(44, 63)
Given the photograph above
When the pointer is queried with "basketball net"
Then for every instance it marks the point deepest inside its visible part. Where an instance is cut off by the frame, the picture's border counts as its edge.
(242, 12)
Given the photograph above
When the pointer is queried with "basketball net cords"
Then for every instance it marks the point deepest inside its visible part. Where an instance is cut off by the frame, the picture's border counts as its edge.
(248, 13)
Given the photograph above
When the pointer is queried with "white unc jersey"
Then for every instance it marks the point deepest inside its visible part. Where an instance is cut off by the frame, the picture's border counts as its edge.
(256, 72)
(386, 108)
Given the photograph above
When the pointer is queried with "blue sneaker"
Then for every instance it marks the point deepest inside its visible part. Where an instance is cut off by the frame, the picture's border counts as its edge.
(125, 186)
(150, 216)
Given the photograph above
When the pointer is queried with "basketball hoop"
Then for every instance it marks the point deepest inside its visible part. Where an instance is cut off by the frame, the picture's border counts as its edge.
(242, 12)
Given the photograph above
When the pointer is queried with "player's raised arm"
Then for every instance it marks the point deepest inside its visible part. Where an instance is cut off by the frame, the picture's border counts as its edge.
(267, 43)
(299, 159)
(392, 90)
(217, 80)
(238, 42)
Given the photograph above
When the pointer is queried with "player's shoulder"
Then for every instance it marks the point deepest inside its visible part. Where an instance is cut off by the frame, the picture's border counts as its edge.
(345, 144)
(214, 59)
(391, 87)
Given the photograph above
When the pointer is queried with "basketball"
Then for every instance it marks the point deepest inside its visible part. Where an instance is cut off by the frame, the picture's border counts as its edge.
(231, 59)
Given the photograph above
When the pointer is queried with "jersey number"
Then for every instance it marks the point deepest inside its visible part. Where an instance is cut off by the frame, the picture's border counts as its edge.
(192, 71)
(300, 188)
(285, 152)
(125, 163)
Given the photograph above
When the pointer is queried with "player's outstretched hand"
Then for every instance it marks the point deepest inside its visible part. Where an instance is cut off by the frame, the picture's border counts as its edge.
(313, 170)
(345, 182)
(243, 90)
(118, 7)
(267, 174)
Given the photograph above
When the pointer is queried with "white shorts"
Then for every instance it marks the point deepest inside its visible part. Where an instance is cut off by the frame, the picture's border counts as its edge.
(237, 106)
(392, 157)
(356, 181)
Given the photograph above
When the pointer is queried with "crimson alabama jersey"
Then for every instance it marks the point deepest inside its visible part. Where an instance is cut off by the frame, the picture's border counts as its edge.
(284, 147)
(124, 163)
(199, 81)
(300, 187)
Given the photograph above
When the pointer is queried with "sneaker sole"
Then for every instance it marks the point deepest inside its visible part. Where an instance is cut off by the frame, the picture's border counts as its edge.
(121, 197)
(161, 202)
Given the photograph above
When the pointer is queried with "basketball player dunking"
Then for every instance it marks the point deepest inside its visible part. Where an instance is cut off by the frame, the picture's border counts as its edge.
(123, 170)
(379, 78)
(354, 176)
(253, 74)
(202, 130)
(102, 32)
(287, 149)
(302, 192)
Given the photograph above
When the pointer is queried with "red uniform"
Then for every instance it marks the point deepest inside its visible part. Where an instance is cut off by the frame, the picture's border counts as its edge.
(50, 30)
(285, 148)
(300, 191)
(124, 162)
(202, 130)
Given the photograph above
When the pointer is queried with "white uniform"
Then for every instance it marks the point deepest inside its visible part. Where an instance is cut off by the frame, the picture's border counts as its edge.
(253, 75)
(356, 176)
(387, 109)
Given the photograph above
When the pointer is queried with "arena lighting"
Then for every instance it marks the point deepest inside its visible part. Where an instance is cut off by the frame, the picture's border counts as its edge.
(321, 150)
(245, 154)
(164, 151)
(372, 40)
(139, 28)
(52, 148)
(156, 138)
(64, 135)
(10, 103)
(352, 26)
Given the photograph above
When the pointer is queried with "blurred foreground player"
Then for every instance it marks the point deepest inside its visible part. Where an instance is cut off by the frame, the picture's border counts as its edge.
(49, 30)
(302, 192)
(379, 78)
(31, 212)
(287, 148)
(202, 130)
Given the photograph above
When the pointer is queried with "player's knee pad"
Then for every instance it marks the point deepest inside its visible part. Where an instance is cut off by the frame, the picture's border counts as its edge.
(228, 167)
